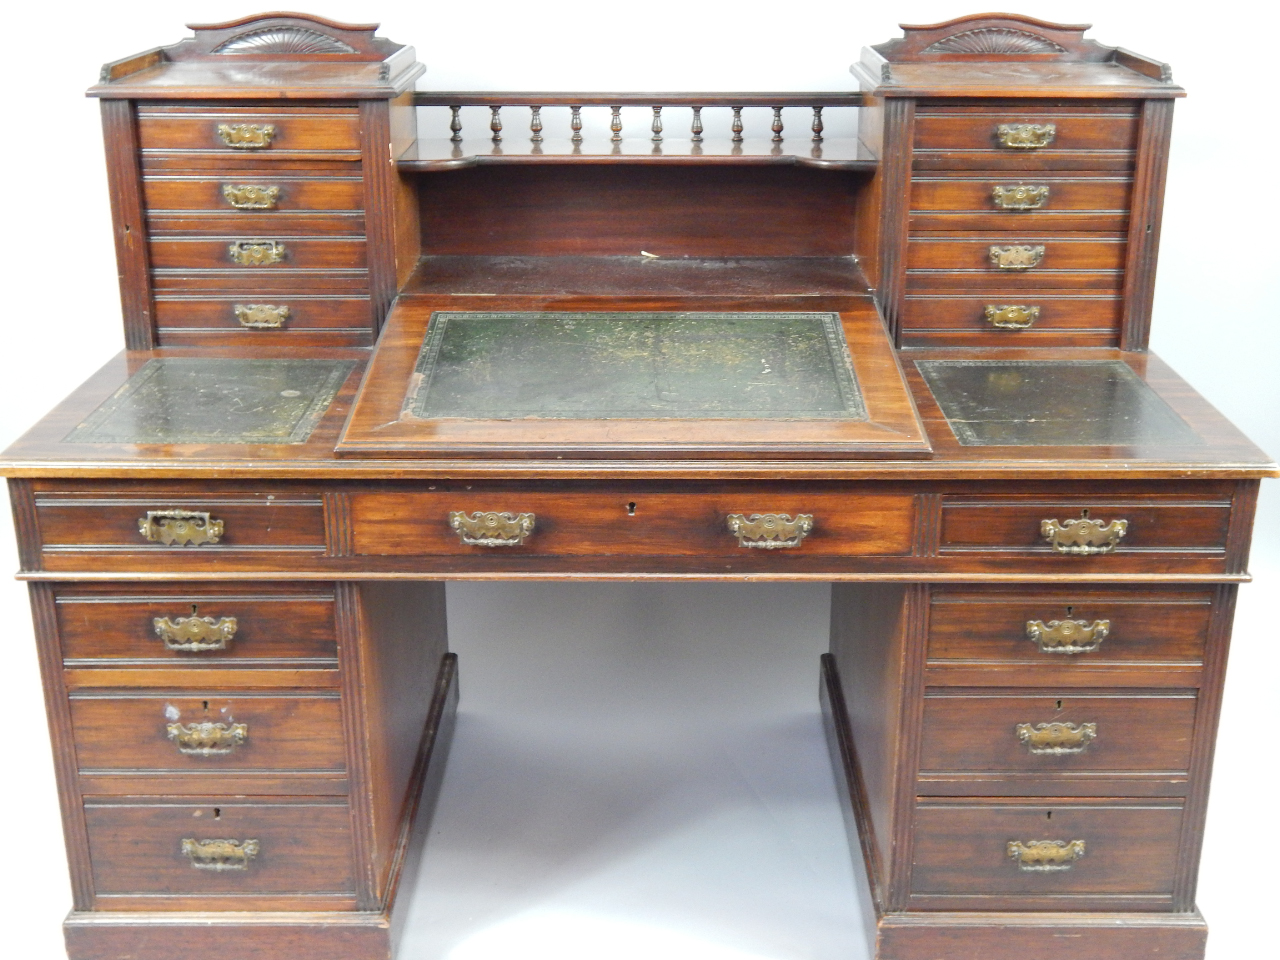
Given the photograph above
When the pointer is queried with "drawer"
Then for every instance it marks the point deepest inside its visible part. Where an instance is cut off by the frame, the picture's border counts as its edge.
(255, 253)
(1079, 732)
(1050, 255)
(259, 133)
(304, 313)
(1054, 313)
(1097, 204)
(1076, 129)
(271, 193)
(962, 852)
(206, 731)
(573, 523)
(295, 848)
(201, 624)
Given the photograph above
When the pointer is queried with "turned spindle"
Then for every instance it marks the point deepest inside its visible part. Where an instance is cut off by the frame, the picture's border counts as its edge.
(737, 124)
(575, 123)
(817, 124)
(696, 129)
(777, 125)
(535, 124)
(657, 125)
(455, 124)
(495, 124)
(615, 124)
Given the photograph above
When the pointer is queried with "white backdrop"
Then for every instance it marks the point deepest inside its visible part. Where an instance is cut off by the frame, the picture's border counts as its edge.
(678, 823)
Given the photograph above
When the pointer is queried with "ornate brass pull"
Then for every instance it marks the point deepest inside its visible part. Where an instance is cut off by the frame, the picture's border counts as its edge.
(261, 316)
(1016, 257)
(180, 527)
(1012, 316)
(247, 136)
(220, 854)
(195, 634)
(770, 531)
(1084, 536)
(1026, 136)
(256, 253)
(208, 739)
(249, 196)
(1020, 197)
(1045, 856)
(1068, 636)
(1056, 739)
(491, 529)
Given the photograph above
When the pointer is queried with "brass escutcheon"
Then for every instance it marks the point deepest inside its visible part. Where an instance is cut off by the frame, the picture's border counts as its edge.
(1056, 739)
(1012, 316)
(1016, 257)
(195, 634)
(247, 136)
(250, 196)
(261, 316)
(1020, 197)
(1083, 537)
(207, 739)
(491, 529)
(256, 253)
(770, 531)
(1068, 636)
(181, 527)
(1025, 136)
(1045, 856)
(219, 854)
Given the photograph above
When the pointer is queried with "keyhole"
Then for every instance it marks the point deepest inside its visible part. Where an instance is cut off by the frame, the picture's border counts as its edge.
(217, 813)
(631, 509)
(1049, 815)
(1069, 612)
(206, 704)
(194, 609)
(1084, 514)
(1059, 704)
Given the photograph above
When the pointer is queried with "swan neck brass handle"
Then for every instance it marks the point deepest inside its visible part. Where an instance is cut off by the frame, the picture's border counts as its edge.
(247, 136)
(195, 634)
(1056, 739)
(1016, 256)
(1045, 856)
(219, 854)
(490, 528)
(180, 527)
(770, 531)
(256, 253)
(1021, 196)
(1068, 636)
(206, 739)
(261, 316)
(1012, 316)
(1084, 537)
(252, 196)
(1025, 136)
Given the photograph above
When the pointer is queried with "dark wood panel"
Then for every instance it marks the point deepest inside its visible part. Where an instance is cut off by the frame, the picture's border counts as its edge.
(262, 223)
(975, 194)
(968, 313)
(305, 313)
(182, 128)
(293, 193)
(974, 128)
(1041, 281)
(300, 253)
(120, 131)
(973, 253)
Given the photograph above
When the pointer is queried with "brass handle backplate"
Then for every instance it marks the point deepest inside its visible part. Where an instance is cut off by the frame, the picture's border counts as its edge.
(181, 527)
(195, 634)
(1084, 537)
(256, 253)
(220, 854)
(251, 196)
(1056, 739)
(1045, 856)
(770, 531)
(1016, 256)
(261, 316)
(1023, 196)
(247, 136)
(491, 529)
(1026, 136)
(1068, 636)
(1012, 316)
(207, 739)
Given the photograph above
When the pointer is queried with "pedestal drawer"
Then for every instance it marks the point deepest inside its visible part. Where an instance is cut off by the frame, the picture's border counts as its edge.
(272, 193)
(250, 132)
(1086, 127)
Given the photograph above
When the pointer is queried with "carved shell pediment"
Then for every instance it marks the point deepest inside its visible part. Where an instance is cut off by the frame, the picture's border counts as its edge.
(995, 40)
(283, 40)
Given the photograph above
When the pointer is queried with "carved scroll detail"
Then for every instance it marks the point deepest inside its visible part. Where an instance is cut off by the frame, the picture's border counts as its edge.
(261, 316)
(1068, 636)
(1026, 136)
(1056, 739)
(180, 527)
(1045, 856)
(491, 529)
(208, 739)
(1016, 256)
(1022, 196)
(770, 531)
(994, 40)
(195, 634)
(220, 854)
(247, 136)
(1084, 537)
(250, 196)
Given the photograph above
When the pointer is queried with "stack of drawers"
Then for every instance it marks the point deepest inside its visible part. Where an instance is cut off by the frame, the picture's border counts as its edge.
(1018, 220)
(256, 222)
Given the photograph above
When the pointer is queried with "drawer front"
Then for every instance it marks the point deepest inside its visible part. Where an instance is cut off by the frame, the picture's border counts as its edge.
(302, 848)
(961, 850)
(303, 313)
(1005, 287)
(256, 253)
(254, 133)
(207, 731)
(1058, 254)
(200, 624)
(1027, 204)
(259, 285)
(1085, 128)
(1013, 320)
(601, 524)
(1078, 732)
(264, 223)
(273, 193)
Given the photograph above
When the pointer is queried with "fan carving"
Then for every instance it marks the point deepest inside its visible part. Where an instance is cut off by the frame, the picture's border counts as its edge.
(995, 40)
(284, 40)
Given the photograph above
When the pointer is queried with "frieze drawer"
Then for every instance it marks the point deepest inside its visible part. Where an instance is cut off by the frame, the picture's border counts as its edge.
(251, 133)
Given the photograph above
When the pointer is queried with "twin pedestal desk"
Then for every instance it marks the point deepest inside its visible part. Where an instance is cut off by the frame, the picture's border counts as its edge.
(365, 357)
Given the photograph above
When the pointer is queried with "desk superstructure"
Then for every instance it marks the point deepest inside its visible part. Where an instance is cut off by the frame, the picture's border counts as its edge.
(363, 358)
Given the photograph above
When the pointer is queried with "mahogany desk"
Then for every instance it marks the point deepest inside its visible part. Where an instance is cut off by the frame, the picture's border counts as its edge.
(1036, 528)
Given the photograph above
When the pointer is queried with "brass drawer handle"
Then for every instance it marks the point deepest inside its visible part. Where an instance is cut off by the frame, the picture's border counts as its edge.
(1026, 136)
(491, 529)
(1012, 316)
(256, 253)
(1045, 856)
(247, 136)
(1021, 197)
(180, 527)
(250, 196)
(1016, 257)
(1056, 739)
(261, 316)
(195, 634)
(208, 739)
(1084, 537)
(219, 854)
(770, 531)
(1068, 636)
